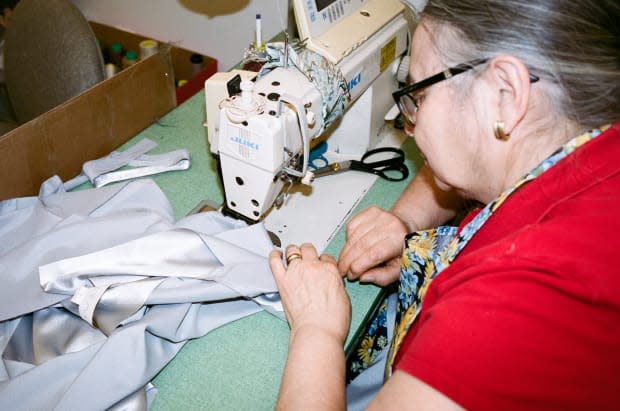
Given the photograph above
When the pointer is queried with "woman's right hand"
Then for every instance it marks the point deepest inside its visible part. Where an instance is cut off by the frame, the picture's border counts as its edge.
(373, 247)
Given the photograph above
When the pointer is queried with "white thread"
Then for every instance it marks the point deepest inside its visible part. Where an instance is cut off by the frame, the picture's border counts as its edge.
(239, 111)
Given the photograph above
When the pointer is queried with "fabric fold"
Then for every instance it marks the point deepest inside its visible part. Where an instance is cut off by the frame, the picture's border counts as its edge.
(101, 288)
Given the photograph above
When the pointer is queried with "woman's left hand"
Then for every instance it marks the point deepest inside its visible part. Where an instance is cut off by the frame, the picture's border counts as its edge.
(312, 291)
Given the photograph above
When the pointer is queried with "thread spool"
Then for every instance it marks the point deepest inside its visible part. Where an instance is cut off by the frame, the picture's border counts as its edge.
(258, 43)
(116, 54)
(131, 58)
(148, 47)
(110, 70)
(197, 62)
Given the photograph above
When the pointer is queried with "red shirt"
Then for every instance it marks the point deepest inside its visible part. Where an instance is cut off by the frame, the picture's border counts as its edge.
(528, 315)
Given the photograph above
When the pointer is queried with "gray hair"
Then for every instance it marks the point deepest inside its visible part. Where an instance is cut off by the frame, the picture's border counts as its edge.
(572, 44)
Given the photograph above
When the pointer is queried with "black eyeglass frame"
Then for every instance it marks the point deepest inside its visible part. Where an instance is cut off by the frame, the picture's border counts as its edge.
(436, 78)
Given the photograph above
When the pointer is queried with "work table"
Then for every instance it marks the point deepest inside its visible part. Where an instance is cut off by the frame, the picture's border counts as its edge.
(239, 365)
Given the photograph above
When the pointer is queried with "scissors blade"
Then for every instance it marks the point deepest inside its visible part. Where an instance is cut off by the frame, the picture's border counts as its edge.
(332, 168)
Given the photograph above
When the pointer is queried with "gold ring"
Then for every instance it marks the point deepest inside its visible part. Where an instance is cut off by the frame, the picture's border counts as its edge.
(292, 256)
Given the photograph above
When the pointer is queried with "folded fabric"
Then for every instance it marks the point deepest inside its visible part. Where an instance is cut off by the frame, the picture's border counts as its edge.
(100, 288)
(102, 171)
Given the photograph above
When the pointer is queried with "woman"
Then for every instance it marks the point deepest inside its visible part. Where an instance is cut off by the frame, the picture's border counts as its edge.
(525, 311)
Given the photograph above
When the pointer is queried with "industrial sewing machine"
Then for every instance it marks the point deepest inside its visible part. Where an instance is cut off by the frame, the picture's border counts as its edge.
(334, 85)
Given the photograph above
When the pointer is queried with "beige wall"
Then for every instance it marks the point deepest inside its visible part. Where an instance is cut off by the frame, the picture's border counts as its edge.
(218, 28)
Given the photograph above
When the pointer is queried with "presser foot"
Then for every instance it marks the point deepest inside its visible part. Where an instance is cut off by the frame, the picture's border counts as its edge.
(225, 210)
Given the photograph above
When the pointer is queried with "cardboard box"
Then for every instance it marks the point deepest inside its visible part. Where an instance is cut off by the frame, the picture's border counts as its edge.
(184, 71)
(86, 127)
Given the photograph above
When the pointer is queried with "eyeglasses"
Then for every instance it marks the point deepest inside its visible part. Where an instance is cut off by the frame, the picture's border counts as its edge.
(408, 98)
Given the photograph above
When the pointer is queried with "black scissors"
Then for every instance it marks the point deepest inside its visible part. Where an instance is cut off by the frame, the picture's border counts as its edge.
(392, 169)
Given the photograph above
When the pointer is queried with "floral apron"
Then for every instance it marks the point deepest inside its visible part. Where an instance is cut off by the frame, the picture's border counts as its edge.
(426, 253)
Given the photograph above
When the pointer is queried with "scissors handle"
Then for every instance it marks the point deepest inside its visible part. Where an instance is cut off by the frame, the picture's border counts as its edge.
(317, 159)
(391, 169)
(398, 158)
(397, 172)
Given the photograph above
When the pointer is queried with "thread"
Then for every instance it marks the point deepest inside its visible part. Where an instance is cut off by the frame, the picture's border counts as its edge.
(116, 54)
(239, 108)
(131, 58)
(148, 47)
(259, 33)
(197, 61)
(110, 70)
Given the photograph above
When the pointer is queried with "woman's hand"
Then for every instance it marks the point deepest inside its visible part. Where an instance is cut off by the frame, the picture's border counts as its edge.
(312, 292)
(373, 247)
(319, 313)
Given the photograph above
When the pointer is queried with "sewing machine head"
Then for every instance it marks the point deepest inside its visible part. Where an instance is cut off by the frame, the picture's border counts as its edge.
(263, 125)
(263, 134)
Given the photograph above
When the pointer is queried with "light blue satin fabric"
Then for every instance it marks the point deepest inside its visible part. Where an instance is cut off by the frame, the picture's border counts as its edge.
(115, 258)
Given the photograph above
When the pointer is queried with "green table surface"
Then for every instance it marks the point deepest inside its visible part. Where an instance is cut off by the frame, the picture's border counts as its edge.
(237, 366)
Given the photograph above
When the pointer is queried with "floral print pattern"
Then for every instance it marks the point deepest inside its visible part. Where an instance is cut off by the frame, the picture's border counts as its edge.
(374, 340)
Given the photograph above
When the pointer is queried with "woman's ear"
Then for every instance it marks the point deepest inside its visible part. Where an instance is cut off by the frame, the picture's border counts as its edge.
(512, 80)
